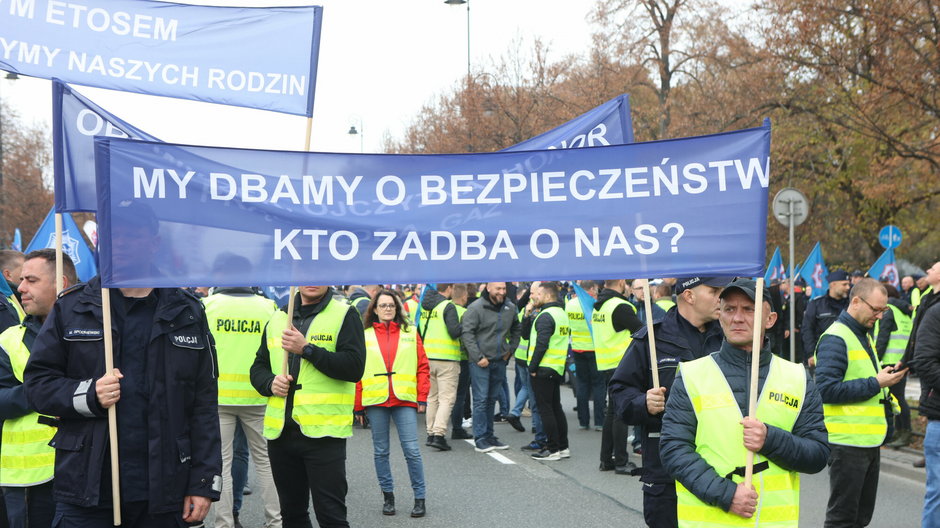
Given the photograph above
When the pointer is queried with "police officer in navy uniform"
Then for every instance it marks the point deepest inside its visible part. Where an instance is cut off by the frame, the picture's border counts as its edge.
(821, 312)
(163, 385)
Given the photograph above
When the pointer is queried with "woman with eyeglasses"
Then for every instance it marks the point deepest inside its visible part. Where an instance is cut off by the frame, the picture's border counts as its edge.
(394, 386)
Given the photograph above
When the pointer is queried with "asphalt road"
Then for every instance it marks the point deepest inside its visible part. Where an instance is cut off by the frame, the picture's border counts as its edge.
(467, 489)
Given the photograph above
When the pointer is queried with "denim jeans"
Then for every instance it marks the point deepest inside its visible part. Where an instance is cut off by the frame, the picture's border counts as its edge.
(486, 384)
(406, 422)
(239, 467)
(590, 386)
(504, 407)
(524, 394)
(931, 516)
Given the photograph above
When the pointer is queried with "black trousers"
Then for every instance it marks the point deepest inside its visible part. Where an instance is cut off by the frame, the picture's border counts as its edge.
(902, 422)
(133, 515)
(548, 399)
(659, 505)
(463, 396)
(614, 436)
(853, 485)
(30, 507)
(309, 467)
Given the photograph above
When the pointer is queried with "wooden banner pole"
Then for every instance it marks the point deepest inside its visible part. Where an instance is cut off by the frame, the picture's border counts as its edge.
(755, 371)
(59, 267)
(654, 363)
(112, 411)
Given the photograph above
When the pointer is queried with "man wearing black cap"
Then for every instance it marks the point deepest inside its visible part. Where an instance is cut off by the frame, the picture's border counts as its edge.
(688, 331)
(823, 311)
(705, 437)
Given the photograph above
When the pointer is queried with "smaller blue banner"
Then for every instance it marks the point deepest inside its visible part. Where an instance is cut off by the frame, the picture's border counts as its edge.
(73, 244)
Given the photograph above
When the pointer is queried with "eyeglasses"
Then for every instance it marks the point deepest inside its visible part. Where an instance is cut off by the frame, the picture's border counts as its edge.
(385, 306)
(876, 310)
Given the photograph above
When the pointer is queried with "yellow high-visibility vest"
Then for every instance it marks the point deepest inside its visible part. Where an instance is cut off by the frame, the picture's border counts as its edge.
(557, 351)
(237, 324)
(718, 439)
(404, 374)
(323, 406)
(858, 424)
(26, 458)
(581, 339)
(438, 344)
(609, 346)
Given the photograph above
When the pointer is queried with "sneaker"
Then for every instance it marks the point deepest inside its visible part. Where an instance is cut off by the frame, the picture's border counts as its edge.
(565, 453)
(460, 434)
(526, 413)
(584, 427)
(515, 423)
(533, 446)
(467, 423)
(246, 490)
(545, 454)
(482, 446)
(493, 441)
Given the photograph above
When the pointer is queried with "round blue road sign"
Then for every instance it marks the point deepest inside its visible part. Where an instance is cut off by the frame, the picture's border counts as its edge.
(890, 236)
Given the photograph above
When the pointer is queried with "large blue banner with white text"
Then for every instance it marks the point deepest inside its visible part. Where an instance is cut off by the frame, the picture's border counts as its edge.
(607, 124)
(75, 123)
(172, 215)
(262, 58)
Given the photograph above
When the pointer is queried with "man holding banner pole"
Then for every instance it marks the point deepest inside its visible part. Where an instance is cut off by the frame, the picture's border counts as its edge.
(309, 413)
(688, 332)
(167, 421)
(707, 408)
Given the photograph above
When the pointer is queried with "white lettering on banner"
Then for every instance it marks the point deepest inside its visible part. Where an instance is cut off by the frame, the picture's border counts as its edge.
(122, 23)
(133, 69)
(90, 123)
(593, 138)
(470, 245)
(155, 186)
(27, 52)
(272, 83)
(23, 8)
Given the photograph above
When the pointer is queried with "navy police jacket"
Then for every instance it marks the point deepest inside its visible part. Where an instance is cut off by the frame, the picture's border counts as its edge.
(184, 443)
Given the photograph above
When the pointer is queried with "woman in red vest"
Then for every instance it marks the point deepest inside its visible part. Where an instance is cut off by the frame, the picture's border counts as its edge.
(394, 386)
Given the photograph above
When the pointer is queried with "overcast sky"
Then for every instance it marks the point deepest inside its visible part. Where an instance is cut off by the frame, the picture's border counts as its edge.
(380, 61)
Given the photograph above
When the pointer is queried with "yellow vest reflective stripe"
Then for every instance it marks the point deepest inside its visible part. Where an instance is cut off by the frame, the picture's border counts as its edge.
(437, 341)
(557, 352)
(460, 311)
(665, 303)
(897, 341)
(522, 349)
(859, 424)
(16, 306)
(718, 439)
(323, 406)
(375, 378)
(26, 458)
(580, 334)
(237, 324)
(609, 345)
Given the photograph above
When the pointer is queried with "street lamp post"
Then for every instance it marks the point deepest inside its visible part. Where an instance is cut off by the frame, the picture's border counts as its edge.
(469, 127)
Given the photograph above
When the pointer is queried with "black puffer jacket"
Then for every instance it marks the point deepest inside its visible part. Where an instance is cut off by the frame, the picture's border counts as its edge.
(805, 449)
(927, 360)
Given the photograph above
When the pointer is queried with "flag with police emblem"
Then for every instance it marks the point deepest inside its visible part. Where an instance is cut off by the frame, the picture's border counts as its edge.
(885, 269)
(73, 244)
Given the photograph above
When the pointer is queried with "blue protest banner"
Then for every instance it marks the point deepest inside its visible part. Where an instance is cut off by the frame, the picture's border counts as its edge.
(885, 269)
(607, 124)
(75, 123)
(73, 244)
(262, 58)
(775, 270)
(587, 305)
(666, 208)
(815, 272)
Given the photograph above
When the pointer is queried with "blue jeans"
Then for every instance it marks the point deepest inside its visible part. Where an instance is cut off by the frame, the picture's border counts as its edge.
(486, 384)
(504, 408)
(463, 385)
(590, 386)
(931, 516)
(406, 421)
(239, 466)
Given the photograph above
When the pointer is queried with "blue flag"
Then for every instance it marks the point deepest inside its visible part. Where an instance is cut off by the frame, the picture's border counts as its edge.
(75, 123)
(17, 240)
(263, 58)
(696, 205)
(73, 244)
(587, 304)
(814, 271)
(775, 270)
(607, 124)
(885, 269)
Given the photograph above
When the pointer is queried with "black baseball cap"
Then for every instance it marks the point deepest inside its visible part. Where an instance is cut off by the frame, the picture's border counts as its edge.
(690, 282)
(747, 287)
(837, 275)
